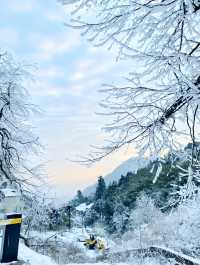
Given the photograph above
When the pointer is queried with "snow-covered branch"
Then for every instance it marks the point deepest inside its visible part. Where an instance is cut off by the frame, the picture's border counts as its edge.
(159, 102)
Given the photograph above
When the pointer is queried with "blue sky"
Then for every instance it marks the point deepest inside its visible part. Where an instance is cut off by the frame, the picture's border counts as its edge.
(67, 73)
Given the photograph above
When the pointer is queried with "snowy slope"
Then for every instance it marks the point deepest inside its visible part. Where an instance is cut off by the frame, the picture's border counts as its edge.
(130, 165)
(30, 257)
(33, 258)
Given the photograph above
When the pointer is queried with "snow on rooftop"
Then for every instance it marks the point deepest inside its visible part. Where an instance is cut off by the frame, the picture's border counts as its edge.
(10, 192)
(83, 207)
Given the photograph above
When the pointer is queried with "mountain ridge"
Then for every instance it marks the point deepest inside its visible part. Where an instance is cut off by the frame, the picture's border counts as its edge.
(131, 165)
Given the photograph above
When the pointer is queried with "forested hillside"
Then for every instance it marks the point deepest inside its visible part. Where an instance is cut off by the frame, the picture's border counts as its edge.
(160, 180)
(130, 165)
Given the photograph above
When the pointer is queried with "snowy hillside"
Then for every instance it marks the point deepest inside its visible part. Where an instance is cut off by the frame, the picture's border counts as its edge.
(130, 165)
(31, 257)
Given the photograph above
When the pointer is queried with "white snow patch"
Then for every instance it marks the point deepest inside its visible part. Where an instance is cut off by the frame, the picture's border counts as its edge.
(83, 207)
(33, 258)
(10, 192)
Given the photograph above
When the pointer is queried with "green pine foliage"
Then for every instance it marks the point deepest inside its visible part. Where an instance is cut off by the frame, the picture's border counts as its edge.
(79, 199)
(100, 190)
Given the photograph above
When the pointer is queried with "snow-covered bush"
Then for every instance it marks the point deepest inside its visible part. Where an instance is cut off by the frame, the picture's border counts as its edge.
(90, 217)
(99, 229)
(36, 215)
(145, 212)
(145, 215)
(58, 248)
(120, 217)
(178, 229)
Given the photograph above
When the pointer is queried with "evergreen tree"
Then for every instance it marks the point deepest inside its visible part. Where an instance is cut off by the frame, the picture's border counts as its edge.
(80, 197)
(101, 188)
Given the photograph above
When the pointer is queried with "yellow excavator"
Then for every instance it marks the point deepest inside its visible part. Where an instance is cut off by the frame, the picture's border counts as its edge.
(93, 243)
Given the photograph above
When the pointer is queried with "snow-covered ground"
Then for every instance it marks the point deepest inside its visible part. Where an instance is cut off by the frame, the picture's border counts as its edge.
(31, 257)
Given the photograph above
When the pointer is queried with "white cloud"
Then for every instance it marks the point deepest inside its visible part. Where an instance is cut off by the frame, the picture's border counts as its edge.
(60, 13)
(77, 76)
(20, 6)
(87, 69)
(8, 36)
(58, 16)
(54, 17)
(81, 87)
(44, 88)
(51, 72)
(83, 70)
(50, 46)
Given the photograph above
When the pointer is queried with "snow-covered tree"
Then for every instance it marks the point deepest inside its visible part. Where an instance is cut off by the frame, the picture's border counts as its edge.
(90, 217)
(120, 217)
(37, 214)
(177, 229)
(157, 108)
(144, 213)
(17, 141)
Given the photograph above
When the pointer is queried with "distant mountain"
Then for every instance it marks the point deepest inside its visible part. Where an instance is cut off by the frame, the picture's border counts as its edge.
(131, 165)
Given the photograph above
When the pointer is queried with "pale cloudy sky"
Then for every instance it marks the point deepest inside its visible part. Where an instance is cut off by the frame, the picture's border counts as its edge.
(68, 71)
